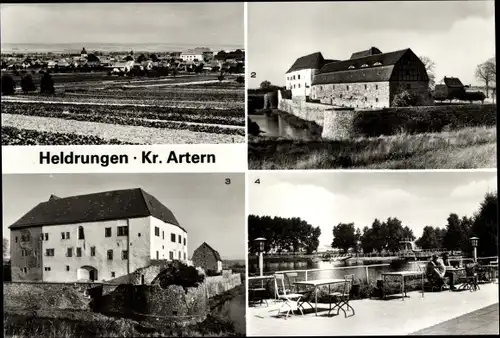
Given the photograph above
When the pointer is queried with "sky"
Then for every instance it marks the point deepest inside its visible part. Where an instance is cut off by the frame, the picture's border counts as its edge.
(190, 24)
(209, 209)
(456, 35)
(325, 198)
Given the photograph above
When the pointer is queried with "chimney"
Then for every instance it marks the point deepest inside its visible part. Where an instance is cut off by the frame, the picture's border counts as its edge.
(53, 197)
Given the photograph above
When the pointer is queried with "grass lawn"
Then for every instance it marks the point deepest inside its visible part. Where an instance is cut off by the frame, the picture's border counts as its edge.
(467, 148)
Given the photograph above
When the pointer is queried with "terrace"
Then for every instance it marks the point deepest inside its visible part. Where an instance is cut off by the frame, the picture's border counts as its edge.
(441, 312)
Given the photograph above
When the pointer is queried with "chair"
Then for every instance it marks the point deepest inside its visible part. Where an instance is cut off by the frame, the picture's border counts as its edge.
(471, 281)
(291, 278)
(341, 299)
(288, 298)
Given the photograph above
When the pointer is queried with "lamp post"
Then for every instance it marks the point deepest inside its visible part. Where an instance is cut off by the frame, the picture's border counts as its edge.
(260, 249)
(474, 241)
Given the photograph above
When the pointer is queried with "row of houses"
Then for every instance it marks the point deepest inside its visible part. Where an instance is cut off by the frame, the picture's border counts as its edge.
(368, 79)
(99, 237)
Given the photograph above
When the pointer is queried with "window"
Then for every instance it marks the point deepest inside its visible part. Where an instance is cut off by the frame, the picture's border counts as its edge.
(294, 77)
(67, 267)
(184, 241)
(110, 255)
(298, 76)
(377, 64)
(184, 256)
(49, 252)
(408, 86)
(366, 99)
(376, 87)
(25, 270)
(16, 239)
(46, 236)
(139, 234)
(163, 246)
(340, 96)
(92, 251)
(171, 255)
(157, 231)
(81, 235)
(172, 237)
(67, 235)
(157, 255)
(333, 86)
(179, 255)
(366, 87)
(78, 252)
(351, 67)
(63, 235)
(376, 99)
(298, 85)
(107, 232)
(179, 239)
(347, 87)
(163, 235)
(364, 65)
(123, 231)
(293, 86)
(124, 254)
(112, 274)
(69, 252)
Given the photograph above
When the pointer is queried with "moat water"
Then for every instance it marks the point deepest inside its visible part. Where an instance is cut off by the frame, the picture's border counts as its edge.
(276, 126)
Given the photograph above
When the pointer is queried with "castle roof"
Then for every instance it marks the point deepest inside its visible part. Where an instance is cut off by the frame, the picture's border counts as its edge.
(372, 68)
(453, 82)
(365, 53)
(311, 61)
(215, 252)
(96, 207)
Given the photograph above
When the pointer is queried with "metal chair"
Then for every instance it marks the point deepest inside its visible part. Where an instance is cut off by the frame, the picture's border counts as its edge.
(341, 299)
(290, 279)
(288, 298)
(471, 281)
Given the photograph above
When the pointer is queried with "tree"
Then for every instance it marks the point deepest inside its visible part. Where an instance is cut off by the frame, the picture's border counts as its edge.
(154, 58)
(485, 226)
(47, 84)
(486, 72)
(240, 79)
(432, 238)
(141, 58)
(8, 85)
(27, 84)
(457, 234)
(429, 67)
(344, 236)
(265, 85)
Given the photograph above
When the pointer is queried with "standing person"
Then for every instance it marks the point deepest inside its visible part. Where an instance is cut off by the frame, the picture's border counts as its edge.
(448, 273)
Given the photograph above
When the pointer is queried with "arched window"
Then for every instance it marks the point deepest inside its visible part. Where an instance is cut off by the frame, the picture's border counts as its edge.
(377, 64)
(351, 67)
(81, 235)
(364, 65)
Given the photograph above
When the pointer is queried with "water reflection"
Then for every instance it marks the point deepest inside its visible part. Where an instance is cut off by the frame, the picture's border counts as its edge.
(234, 310)
(276, 126)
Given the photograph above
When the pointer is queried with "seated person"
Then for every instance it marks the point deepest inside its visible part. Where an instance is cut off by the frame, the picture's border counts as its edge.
(435, 271)
(449, 274)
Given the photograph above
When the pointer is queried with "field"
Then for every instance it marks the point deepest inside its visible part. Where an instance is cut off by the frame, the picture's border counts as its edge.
(95, 108)
(473, 147)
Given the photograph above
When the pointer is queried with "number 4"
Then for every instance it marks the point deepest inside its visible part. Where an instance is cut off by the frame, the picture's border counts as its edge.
(257, 181)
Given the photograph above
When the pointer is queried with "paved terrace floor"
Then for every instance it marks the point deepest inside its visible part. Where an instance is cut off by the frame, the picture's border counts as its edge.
(386, 317)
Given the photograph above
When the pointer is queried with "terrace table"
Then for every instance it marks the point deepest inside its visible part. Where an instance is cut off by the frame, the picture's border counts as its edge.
(404, 274)
(492, 267)
(319, 282)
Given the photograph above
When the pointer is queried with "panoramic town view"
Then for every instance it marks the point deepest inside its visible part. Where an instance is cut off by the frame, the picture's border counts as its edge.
(106, 255)
(92, 74)
(342, 253)
(364, 89)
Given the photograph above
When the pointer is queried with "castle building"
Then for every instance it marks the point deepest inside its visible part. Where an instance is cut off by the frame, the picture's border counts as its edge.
(369, 79)
(207, 258)
(95, 237)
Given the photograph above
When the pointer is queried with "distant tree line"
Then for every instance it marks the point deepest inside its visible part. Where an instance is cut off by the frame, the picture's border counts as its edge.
(8, 84)
(283, 234)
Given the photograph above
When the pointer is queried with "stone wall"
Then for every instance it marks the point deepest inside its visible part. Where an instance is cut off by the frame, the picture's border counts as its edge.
(45, 296)
(219, 284)
(26, 254)
(305, 110)
(354, 95)
(338, 124)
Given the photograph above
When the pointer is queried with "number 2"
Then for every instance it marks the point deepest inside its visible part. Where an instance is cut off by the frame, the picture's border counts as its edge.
(253, 75)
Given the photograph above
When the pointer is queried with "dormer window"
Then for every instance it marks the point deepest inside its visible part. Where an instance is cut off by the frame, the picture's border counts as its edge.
(377, 64)
(351, 67)
(364, 65)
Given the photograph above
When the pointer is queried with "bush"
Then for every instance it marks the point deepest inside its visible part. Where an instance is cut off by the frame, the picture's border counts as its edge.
(240, 79)
(47, 84)
(8, 85)
(220, 77)
(474, 96)
(27, 84)
(178, 273)
(404, 99)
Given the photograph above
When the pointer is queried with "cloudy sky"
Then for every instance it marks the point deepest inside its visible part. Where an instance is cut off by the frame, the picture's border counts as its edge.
(210, 210)
(456, 35)
(190, 24)
(327, 198)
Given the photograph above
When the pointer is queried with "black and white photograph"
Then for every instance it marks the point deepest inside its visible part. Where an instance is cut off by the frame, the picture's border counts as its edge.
(371, 85)
(122, 73)
(124, 255)
(341, 253)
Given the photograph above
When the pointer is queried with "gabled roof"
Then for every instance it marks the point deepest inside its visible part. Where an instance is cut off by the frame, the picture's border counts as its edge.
(102, 206)
(365, 53)
(215, 252)
(373, 68)
(453, 82)
(311, 61)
